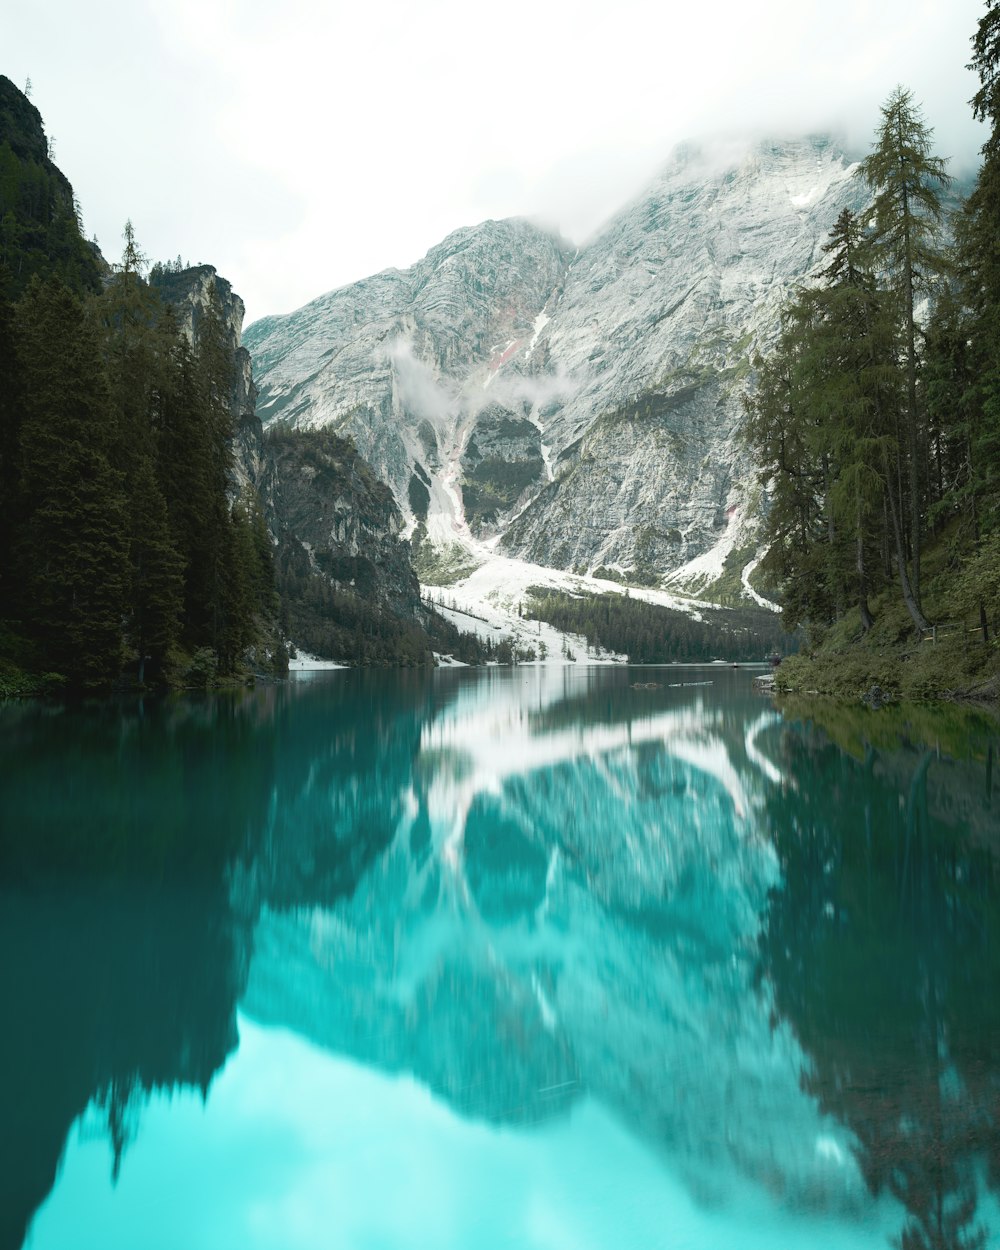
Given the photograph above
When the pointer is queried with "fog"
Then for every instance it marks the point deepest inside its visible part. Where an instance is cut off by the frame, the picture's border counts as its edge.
(301, 150)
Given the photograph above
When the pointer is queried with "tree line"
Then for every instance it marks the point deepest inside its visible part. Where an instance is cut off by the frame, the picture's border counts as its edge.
(876, 420)
(122, 548)
(650, 634)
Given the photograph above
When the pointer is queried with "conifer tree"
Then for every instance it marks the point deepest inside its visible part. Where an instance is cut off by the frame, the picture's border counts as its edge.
(129, 313)
(905, 224)
(184, 473)
(823, 421)
(214, 367)
(979, 258)
(859, 397)
(962, 367)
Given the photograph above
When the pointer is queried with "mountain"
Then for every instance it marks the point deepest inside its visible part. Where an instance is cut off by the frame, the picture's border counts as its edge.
(572, 408)
(341, 571)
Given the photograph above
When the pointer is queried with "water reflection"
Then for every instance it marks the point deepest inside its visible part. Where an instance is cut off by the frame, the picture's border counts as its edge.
(768, 948)
(568, 909)
(109, 994)
(135, 842)
(882, 949)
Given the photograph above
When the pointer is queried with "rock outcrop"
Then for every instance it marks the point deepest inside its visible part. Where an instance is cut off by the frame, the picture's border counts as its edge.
(332, 521)
(324, 500)
(189, 293)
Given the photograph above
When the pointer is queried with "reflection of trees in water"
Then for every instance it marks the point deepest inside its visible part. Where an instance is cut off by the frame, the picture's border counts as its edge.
(123, 947)
(883, 948)
(109, 993)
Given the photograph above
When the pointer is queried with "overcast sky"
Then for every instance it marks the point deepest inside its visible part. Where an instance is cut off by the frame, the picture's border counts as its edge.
(302, 146)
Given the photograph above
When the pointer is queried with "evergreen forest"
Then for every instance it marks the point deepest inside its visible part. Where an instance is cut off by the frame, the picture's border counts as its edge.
(126, 552)
(876, 420)
(650, 634)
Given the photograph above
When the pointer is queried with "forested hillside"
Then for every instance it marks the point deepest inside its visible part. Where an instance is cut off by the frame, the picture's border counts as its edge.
(123, 551)
(650, 634)
(877, 418)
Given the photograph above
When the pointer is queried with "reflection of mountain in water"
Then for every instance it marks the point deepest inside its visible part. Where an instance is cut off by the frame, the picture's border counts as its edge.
(569, 905)
(524, 887)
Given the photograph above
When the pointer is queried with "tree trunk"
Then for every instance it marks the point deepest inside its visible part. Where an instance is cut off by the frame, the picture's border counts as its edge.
(983, 619)
(912, 606)
(911, 422)
(867, 620)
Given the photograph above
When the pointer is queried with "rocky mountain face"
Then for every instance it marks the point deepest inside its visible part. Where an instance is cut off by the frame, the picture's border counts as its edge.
(329, 517)
(401, 363)
(577, 409)
(324, 500)
(40, 231)
(188, 291)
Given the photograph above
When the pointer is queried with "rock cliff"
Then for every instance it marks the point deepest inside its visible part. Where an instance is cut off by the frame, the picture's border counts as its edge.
(188, 291)
(334, 525)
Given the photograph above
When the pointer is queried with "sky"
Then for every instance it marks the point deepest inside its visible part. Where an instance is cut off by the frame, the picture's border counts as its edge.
(302, 146)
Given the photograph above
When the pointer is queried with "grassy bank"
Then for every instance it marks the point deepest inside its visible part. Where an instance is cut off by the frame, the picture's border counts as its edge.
(954, 662)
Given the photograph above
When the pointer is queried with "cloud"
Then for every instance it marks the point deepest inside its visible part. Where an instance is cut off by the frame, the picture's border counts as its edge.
(304, 149)
(422, 393)
(513, 389)
(445, 401)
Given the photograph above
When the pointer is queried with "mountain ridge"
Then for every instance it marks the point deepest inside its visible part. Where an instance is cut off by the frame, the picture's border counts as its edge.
(575, 408)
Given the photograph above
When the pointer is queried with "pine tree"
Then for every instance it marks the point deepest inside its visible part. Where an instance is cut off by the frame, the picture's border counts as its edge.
(860, 386)
(135, 349)
(961, 371)
(979, 258)
(823, 422)
(780, 415)
(905, 224)
(183, 466)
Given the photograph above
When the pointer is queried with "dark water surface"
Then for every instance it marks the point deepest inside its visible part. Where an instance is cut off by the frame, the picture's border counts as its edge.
(516, 958)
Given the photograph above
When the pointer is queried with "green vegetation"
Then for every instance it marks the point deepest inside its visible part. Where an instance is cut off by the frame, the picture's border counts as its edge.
(40, 231)
(728, 588)
(494, 485)
(650, 634)
(879, 437)
(419, 496)
(440, 566)
(122, 551)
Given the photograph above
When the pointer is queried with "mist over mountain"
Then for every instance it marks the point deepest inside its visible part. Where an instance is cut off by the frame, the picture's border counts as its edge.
(572, 407)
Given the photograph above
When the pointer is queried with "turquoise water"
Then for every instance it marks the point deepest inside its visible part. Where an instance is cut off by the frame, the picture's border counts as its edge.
(515, 958)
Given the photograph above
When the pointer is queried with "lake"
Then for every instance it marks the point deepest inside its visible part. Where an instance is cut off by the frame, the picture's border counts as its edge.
(555, 958)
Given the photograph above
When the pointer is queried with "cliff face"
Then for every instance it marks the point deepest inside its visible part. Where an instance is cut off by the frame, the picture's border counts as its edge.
(580, 408)
(400, 361)
(188, 291)
(330, 518)
(324, 500)
(656, 326)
